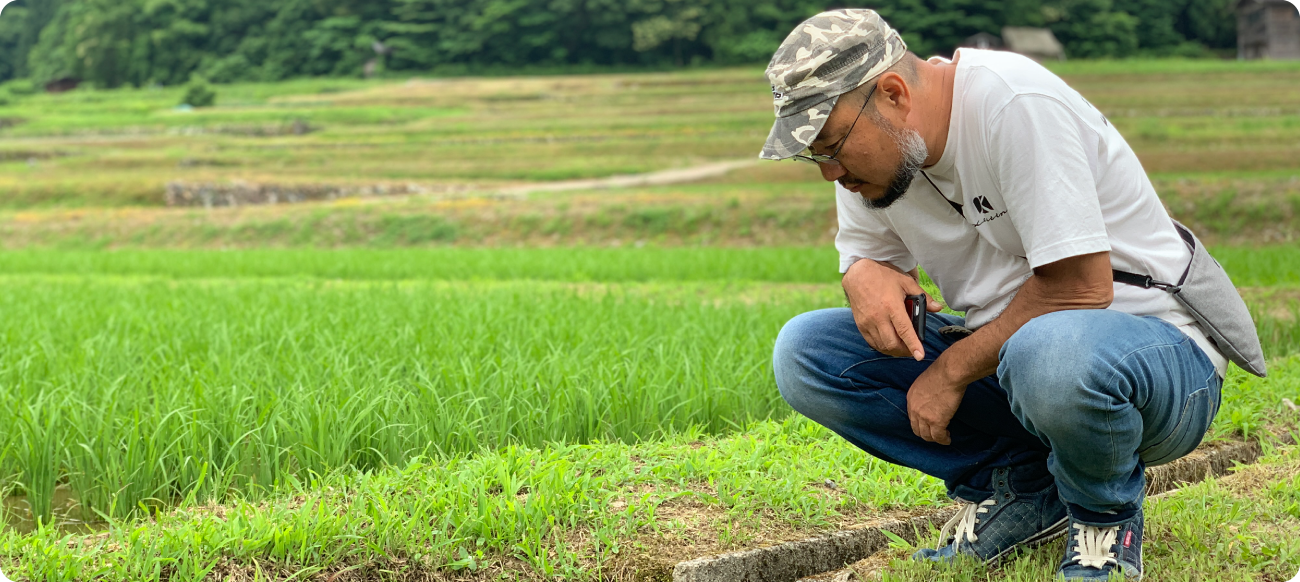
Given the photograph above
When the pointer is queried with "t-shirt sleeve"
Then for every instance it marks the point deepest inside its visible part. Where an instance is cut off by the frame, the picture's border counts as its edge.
(1038, 150)
(864, 234)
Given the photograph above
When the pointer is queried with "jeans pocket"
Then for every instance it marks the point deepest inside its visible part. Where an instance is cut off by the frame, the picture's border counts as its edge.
(1194, 421)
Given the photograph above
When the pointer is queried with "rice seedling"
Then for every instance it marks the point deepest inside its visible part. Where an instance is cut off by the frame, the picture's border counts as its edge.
(140, 390)
(602, 510)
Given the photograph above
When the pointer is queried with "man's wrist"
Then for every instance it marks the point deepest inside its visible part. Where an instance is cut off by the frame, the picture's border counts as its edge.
(953, 372)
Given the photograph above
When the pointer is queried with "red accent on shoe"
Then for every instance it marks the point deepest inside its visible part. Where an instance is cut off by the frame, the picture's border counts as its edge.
(1128, 538)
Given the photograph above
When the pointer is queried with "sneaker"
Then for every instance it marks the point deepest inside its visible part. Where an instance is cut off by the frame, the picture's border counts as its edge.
(990, 529)
(1095, 553)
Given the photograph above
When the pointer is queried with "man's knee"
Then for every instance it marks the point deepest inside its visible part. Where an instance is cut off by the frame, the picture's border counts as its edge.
(794, 358)
(1050, 366)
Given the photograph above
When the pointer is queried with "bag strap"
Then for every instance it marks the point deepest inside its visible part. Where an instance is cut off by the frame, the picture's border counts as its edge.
(1134, 279)
(1146, 282)
(1143, 281)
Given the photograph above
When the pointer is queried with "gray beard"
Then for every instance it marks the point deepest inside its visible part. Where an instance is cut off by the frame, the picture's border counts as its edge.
(914, 152)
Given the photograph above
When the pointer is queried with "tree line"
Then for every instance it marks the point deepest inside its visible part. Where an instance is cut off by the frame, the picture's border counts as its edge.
(139, 42)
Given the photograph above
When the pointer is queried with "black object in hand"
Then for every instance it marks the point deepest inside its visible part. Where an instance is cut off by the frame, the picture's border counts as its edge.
(916, 311)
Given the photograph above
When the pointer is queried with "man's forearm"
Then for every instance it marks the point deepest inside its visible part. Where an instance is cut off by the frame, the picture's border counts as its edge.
(977, 356)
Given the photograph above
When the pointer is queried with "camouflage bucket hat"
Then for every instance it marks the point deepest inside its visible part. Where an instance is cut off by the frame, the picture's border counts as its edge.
(827, 56)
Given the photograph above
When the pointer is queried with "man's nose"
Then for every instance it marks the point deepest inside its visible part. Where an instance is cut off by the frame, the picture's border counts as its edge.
(831, 172)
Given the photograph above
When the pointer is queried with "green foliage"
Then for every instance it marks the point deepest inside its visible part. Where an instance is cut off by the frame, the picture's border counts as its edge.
(21, 23)
(198, 93)
(1090, 29)
(141, 42)
(20, 87)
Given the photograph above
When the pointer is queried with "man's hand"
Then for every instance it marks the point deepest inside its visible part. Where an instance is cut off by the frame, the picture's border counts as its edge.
(1082, 282)
(931, 403)
(876, 292)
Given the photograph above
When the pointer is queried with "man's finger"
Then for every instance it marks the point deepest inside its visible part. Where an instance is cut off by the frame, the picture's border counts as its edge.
(915, 422)
(871, 334)
(903, 326)
(941, 435)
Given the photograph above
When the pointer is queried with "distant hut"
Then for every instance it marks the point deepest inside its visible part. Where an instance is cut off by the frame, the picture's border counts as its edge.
(983, 40)
(62, 85)
(1267, 29)
(1036, 43)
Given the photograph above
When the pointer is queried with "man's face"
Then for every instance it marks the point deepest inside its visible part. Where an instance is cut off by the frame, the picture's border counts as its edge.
(878, 160)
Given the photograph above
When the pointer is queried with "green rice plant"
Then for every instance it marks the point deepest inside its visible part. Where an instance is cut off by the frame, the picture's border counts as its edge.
(40, 427)
(785, 265)
(1280, 335)
(1248, 266)
(565, 510)
(254, 372)
(1265, 266)
(253, 384)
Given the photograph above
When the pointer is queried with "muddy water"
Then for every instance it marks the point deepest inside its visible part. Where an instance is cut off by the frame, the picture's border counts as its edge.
(67, 514)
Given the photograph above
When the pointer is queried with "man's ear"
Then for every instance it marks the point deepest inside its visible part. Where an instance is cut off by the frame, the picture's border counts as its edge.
(894, 96)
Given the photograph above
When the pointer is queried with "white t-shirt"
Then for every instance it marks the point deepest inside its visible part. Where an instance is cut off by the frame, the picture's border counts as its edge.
(1041, 176)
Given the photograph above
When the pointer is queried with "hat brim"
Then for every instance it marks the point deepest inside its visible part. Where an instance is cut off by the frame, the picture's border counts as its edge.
(792, 134)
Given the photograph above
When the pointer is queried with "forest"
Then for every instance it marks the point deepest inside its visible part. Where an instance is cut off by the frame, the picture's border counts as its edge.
(113, 43)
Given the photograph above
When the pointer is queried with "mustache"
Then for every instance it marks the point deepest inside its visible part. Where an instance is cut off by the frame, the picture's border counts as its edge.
(849, 182)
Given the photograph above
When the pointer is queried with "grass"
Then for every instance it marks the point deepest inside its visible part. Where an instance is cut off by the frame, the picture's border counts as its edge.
(817, 265)
(136, 389)
(613, 510)
(1275, 266)
(559, 510)
(779, 208)
(145, 376)
(464, 385)
(1236, 528)
(121, 148)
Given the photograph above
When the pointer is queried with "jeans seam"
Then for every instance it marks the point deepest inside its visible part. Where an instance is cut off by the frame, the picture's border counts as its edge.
(1115, 368)
(846, 370)
(851, 381)
(1182, 419)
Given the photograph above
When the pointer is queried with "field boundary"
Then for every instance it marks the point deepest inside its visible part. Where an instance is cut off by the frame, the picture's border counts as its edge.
(235, 193)
(792, 561)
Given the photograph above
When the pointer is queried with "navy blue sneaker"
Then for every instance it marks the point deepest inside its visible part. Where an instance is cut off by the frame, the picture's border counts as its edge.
(990, 529)
(1097, 553)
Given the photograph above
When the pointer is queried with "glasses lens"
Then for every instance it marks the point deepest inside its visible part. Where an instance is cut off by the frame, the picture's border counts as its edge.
(804, 159)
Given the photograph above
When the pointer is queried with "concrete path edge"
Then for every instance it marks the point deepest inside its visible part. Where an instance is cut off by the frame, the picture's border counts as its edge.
(791, 561)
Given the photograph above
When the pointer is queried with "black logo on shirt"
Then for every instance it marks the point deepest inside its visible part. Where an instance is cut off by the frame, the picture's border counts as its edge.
(987, 211)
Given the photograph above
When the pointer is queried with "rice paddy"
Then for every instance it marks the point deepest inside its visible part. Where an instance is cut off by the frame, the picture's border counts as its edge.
(465, 385)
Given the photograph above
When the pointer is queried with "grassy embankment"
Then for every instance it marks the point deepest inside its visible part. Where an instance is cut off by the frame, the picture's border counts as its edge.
(91, 168)
(268, 394)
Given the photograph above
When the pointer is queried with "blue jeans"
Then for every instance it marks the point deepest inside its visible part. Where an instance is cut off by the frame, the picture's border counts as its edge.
(1084, 398)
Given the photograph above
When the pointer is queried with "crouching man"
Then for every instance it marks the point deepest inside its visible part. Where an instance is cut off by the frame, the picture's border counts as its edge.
(1024, 205)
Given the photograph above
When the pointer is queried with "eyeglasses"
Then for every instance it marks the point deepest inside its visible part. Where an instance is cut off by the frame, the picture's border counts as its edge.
(808, 157)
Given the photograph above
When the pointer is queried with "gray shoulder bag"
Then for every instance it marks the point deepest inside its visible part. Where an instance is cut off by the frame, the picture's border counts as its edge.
(1208, 294)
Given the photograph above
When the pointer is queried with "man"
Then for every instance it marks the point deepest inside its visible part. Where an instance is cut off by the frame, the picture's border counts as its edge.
(1019, 198)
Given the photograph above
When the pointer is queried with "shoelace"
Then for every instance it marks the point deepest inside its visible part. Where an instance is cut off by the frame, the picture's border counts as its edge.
(962, 525)
(1094, 545)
